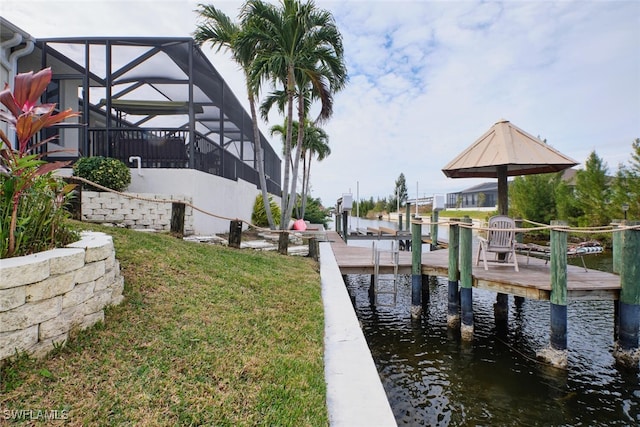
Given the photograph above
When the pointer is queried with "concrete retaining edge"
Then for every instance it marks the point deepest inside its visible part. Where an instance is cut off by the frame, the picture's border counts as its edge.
(355, 396)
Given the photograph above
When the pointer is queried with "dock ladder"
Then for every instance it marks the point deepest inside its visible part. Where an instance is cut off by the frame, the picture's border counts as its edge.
(385, 286)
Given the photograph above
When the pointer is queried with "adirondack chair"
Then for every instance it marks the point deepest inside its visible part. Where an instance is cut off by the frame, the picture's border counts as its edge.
(501, 239)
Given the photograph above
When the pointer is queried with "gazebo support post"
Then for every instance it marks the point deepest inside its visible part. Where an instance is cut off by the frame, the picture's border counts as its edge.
(501, 307)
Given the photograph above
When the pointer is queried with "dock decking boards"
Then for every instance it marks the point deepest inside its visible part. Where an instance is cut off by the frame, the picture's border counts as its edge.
(532, 282)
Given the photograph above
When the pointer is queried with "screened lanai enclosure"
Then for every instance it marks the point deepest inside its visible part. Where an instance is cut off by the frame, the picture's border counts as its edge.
(157, 99)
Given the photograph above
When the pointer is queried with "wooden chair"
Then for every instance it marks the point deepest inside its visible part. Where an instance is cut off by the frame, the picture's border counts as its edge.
(501, 240)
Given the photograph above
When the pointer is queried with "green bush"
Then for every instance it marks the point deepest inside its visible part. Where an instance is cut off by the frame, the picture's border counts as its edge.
(259, 215)
(315, 213)
(108, 172)
(40, 219)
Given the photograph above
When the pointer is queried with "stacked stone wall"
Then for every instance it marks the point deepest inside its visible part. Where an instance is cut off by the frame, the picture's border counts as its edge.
(46, 296)
(132, 212)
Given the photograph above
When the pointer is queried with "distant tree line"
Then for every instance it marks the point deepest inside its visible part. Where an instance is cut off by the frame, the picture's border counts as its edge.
(595, 200)
(386, 204)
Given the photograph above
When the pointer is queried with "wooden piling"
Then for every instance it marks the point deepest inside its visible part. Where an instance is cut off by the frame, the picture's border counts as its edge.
(425, 291)
(617, 246)
(407, 219)
(314, 248)
(466, 280)
(627, 351)
(399, 221)
(235, 233)
(556, 354)
(434, 230)
(345, 225)
(416, 269)
(283, 243)
(453, 311)
(177, 219)
(558, 295)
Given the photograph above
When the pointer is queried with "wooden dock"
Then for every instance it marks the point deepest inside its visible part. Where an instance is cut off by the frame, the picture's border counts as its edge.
(533, 281)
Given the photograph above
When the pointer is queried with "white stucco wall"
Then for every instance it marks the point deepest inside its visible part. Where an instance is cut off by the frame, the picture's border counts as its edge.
(220, 196)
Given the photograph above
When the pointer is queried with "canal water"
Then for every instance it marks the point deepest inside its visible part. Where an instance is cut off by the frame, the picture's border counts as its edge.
(433, 378)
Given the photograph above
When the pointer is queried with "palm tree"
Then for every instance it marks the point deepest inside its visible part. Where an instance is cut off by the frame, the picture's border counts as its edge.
(315, 142)
(299, 47)
(218, 29)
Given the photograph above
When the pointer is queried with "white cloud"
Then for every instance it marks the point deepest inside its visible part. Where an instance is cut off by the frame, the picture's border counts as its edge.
(427, 78)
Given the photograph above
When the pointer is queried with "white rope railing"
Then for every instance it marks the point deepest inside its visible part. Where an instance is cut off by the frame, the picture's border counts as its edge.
(538, 226)
(189, 204)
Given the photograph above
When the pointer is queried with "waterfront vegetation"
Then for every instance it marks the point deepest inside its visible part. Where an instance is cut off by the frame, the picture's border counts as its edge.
(207, 335)
(591, 198)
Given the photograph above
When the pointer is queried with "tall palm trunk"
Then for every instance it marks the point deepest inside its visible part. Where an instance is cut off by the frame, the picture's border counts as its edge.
(305, 190)
(283, 241)
(298, 154)
(286, 200)
(305, 180)
(258, 148)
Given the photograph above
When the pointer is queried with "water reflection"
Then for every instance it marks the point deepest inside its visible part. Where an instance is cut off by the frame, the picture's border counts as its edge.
(433, 378)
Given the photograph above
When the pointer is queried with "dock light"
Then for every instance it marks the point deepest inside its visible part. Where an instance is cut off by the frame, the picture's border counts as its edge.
(625, 208)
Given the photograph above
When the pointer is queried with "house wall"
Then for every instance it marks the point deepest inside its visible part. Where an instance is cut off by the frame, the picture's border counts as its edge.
(46, 296)
(220, 196)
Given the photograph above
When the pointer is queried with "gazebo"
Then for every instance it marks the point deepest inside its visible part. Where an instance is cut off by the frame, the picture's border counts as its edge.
(506, 150)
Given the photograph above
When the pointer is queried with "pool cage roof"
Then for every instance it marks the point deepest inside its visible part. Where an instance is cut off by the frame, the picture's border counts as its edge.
(156, 82)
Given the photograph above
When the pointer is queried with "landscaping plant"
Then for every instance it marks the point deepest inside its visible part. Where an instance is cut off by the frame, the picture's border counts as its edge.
(259, 215)
(31, 198)
(108, 172)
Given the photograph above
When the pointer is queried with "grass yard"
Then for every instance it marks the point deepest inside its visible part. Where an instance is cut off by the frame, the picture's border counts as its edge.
(454, 213)
(206, 336)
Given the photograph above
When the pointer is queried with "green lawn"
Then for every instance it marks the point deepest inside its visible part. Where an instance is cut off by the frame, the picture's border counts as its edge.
(454, 213)
(206, 336)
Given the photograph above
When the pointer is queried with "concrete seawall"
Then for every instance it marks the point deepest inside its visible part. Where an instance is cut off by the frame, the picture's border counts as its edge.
(355, 396)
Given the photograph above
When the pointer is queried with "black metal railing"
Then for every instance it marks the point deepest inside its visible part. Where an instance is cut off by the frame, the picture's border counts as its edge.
(157, 148)
(169, 148)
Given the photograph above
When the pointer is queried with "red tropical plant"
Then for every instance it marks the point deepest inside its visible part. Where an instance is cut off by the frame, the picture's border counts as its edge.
(23, 165)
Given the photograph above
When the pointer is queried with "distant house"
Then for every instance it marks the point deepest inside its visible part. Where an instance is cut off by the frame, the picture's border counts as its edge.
(483, 195)
(156, 103)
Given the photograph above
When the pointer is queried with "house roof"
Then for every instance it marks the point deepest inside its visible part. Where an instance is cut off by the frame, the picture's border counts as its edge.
(484, 187)
(8, 30)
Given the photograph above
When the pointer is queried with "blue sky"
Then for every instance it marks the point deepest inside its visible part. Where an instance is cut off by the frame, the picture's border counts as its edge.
(427, 78)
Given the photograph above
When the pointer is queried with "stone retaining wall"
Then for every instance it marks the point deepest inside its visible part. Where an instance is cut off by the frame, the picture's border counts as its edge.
(46, 296)
(105, 207)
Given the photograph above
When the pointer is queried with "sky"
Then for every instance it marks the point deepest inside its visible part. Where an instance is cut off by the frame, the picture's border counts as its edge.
(427, 78)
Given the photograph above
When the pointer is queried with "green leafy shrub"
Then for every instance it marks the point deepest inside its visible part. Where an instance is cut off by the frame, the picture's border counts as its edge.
(259, 215)
(31, 198)
(105, 171)
(315, 213)
(40, 217)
